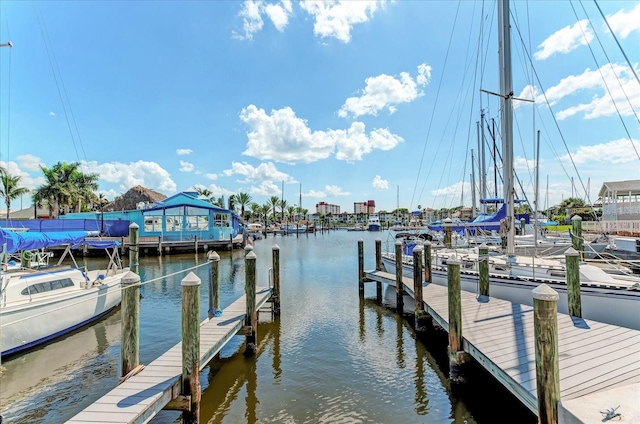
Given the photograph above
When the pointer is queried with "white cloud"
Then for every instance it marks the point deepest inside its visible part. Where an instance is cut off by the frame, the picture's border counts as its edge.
(266, 188)
(529, 92)
(146, 174)
(52, 114)
(315, 194)
(219, 191)
(335, 18)
(284, 137)
(522, 164)
(251, 14)
(26, 180)
(182, 152)
(333, 190)
(264, 172)
(30, 162)
(211, 176)
(620, 83)
(385, 92)
(454, 189)
(279, 14)
(380, 184)
(565, 40)
(615, 152)
(186, 166)
(624, 23)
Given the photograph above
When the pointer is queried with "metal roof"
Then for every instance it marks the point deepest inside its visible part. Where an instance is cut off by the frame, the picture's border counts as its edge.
(622, 187)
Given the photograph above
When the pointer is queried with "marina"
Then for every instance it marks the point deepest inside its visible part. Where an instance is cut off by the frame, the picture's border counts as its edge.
(337, 357)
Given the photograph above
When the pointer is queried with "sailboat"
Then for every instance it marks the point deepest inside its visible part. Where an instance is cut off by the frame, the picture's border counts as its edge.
(613, 299)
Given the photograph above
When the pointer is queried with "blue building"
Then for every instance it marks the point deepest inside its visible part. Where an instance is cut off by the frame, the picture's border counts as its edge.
(181, 217)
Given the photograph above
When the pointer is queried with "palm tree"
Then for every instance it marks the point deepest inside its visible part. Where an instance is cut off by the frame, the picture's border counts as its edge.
(10, 188)
(265, 209)
(205, 192)
(291, 211)
(273, 203)
(255, 209)
(243, 200)
(283, 205)
(65, 185)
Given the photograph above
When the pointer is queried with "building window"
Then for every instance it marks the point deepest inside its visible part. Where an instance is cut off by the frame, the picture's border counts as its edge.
(220, 220)
(153, 223)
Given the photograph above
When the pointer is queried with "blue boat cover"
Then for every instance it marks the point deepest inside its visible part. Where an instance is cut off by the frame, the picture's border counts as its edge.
(36, 240)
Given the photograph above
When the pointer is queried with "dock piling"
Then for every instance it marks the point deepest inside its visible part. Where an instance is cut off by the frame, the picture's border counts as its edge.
(572, 258)
(399, 283)
(379, 267)
(134, 248)
(251, 318)
(191, 345)
(427, 262)
(130, 324)
(483, 270)
(447, 224)
(361, 267)
(214, 285)
(420, 313)
(456, 355)
(576, 237)
(275, 267)
(545, 330)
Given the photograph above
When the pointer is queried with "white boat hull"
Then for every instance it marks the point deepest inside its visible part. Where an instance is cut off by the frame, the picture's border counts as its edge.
(616, 306)
(41, 317)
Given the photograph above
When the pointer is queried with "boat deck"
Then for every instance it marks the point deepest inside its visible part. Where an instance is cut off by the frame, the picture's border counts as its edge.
(599, 363)
(142, 396)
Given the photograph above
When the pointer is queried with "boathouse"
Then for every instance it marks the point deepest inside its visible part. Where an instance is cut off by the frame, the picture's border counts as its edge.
(182, 217)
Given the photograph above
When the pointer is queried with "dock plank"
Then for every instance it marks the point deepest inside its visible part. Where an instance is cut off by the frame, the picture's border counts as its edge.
(593, 356)
(142, 396)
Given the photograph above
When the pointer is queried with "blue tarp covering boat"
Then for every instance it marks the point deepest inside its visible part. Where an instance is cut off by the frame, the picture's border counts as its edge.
(486, 222)
(108, 227)
(36, 240)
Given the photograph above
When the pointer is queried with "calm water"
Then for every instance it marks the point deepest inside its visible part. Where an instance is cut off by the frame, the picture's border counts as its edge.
(329, 358)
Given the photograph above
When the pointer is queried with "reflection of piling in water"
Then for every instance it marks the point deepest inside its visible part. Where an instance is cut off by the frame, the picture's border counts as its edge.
(399, 284)
(419, 311)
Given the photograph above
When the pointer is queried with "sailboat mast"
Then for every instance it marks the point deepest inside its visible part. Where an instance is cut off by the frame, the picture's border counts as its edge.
(506, 91)
(473, 187)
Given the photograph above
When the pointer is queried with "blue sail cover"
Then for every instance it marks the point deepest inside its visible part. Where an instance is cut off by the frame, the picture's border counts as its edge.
(36, 240)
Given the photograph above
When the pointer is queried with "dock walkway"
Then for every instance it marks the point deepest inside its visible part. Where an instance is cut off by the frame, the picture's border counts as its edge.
(142, 396)
(599, 363)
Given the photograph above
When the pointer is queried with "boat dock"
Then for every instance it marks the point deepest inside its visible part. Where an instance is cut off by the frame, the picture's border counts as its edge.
(599, 364)
(172, 380)
(145, 394)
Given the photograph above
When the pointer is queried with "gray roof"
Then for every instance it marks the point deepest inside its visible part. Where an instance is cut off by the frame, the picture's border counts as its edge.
(622, 187)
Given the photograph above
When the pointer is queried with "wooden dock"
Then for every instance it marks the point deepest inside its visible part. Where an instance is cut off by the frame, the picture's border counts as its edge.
(599, 363)
(142, 396)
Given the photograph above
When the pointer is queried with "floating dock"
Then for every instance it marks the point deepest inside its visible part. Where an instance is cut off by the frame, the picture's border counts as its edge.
(142, 396)
(599, 363)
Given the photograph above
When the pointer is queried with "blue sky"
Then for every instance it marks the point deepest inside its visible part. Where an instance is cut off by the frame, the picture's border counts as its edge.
(347, 101)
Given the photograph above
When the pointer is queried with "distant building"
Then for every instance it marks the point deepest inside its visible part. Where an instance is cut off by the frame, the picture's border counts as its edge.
(324, 208)
(620, 200)
(364, 207)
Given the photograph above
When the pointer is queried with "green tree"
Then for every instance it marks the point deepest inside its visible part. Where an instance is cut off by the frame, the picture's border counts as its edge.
(66, 187)
(10, 188)
(243, 200)
(273, 203)
(255, 210)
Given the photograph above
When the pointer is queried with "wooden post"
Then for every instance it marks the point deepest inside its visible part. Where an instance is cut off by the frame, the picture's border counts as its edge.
(576, 237)
(251, 318)
(447, 232)
(275, 267)
(133, 247)
(379, 267)
(361, 267)
(231, 242)
(572, 258)
(523, 226)
(130, 324)
(159, 245)
(248, 248)
(483, 270)
(455, 321)
(195, 239)
(427, 262)
(545, 330)
(399, 283)
(420, 313)
(214, 285)
(191, 345)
